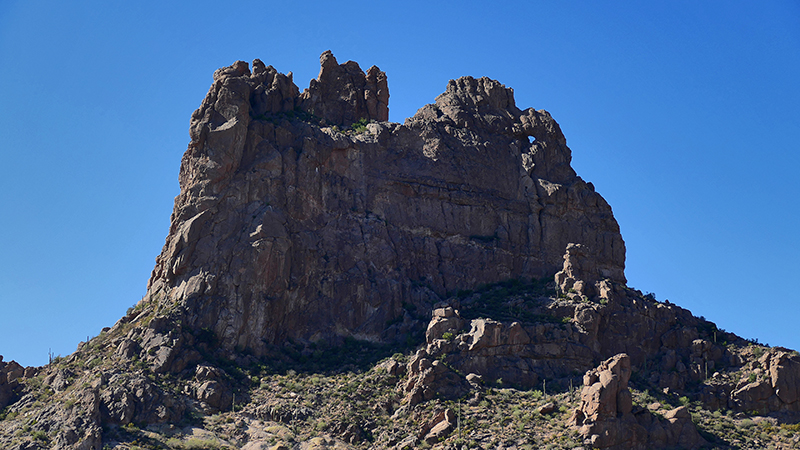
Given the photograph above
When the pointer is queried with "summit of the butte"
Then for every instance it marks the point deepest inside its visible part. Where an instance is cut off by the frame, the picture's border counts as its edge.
(334, 280)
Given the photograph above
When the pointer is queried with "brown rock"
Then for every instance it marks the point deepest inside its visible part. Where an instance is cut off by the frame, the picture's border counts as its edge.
(285, 228)
(5, 392)
(523, 354)
(681, 431)
(128, 348)
(135, 398)
(13, 371)
(440, 427)
(444, 320)
(784, 371)
(213, 394)
(342, 94)
(605, 417)
(753, 396)
(431, 378)
(547, 408)
(603, 386)
(474, 379)
(289, 228)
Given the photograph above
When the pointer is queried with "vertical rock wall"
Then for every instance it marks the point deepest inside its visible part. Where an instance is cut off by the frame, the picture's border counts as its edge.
(292, 224)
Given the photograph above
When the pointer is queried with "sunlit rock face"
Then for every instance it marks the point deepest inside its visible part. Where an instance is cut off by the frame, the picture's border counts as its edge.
(294, 223)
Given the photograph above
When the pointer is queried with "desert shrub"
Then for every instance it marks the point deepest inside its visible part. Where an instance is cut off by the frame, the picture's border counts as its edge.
(201, 444)
(360, 126)
(40, 435)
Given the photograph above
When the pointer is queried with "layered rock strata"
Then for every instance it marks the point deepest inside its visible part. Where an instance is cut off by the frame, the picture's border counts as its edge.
(293, 224)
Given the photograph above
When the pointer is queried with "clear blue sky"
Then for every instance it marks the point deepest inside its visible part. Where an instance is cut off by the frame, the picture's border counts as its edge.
(685, 115)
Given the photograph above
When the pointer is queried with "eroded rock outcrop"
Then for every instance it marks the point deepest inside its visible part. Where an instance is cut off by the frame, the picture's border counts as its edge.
(605, 417)
(12, 375)
(343, 94)
(771, 383)
(550, 338)
(291, 225)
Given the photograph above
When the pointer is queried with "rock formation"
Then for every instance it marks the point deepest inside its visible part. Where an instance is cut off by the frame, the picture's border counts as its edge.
(308, 229)
(10, 373)
(606, 421)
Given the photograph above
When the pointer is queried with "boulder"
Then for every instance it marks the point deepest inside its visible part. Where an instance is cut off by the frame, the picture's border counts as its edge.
(784, 372)
(547, 408)
(444, 320)
(605, 418)
(440, 427)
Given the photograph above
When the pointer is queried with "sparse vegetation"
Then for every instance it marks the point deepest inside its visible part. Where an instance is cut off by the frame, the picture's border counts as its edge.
(360, 126)
(309, 391)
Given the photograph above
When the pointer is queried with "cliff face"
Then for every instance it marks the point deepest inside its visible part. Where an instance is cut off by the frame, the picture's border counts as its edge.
(306, 218)
(295, 222)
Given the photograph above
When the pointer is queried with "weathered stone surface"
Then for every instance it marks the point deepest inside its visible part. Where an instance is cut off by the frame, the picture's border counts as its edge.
(784, 371)
(547, 408)
(285, 412)
(288, 228)
(605, 416)
(342, 94)
(70, 427)
(6, 391)
(128, 348)
(429, 378)
(603, 386)
(440, 427)
(134, 398)
(572, 336)
(13, 371)
(775, 385)
(444, 320)
(681, 431)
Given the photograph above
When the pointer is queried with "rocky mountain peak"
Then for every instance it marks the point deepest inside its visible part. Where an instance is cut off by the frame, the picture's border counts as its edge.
(334, 280)
(343, 94)
(293, 224)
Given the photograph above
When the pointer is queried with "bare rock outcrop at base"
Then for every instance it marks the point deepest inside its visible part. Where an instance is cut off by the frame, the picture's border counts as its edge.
(549, 339)
(606, 421)
(771, 385)
(12, 374)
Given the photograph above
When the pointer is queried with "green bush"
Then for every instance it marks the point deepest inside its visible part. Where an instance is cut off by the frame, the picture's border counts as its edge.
(201, 444)
(360, 126)
(40, 435)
